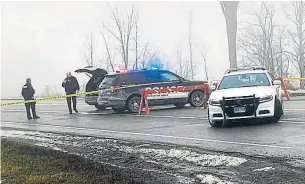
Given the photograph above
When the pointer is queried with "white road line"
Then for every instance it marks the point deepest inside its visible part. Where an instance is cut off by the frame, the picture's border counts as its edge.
(287, 120)
(163, 116)
(294, 118)
(298, 136)
(294, 109)
(60, 105)
(20, 110)
(159, 135)
(291, 122)
(55, 118)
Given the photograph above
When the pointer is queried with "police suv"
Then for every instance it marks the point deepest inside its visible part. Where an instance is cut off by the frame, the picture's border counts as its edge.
(127, 87)
(246, 93)
(96, 76)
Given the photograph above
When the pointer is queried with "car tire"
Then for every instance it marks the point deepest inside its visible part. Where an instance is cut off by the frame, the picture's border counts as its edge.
(100, 107)
(197, 99)
(179, 105)
(133, 104)
(118, 110)
(214, 123)
(278, 111)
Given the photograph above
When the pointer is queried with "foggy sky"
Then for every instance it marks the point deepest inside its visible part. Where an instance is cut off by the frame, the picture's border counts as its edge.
(44, 40)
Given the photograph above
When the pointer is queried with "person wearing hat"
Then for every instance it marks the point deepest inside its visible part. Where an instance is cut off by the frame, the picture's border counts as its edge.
(28, 94)
(71, 87)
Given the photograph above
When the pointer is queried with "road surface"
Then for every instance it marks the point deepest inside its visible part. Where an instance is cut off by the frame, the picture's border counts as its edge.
(168, 125)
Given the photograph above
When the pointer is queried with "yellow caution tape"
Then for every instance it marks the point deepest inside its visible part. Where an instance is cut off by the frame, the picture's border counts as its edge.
(77, 94)
(293, 78)
(49, 98)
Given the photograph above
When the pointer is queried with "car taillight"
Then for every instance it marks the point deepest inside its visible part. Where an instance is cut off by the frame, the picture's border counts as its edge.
(113, 88)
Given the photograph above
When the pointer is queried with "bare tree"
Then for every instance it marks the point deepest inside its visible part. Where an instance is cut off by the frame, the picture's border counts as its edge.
(136, 39)
(123, 32)
(192, 65)
(259, 42)
(145, 55)
(282, 57)
(89, 52)
(229, 9)
(47, 90)
(204, 57)
(110, 60)
(298, 38)
(184, 69)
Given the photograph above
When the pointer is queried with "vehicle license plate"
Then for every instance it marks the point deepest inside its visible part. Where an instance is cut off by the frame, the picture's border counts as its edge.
(239, 109)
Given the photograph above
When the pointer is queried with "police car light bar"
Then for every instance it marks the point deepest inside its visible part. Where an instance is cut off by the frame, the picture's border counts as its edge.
(122, 71)
(230, 70)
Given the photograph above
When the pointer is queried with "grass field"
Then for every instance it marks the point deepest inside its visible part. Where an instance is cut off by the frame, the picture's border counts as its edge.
(25, 163)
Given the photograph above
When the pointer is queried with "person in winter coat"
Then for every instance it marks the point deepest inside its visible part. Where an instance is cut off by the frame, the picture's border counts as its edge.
(28, 94)
(71, 87)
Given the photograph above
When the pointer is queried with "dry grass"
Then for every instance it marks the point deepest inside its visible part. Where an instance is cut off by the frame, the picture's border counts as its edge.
(34, 165)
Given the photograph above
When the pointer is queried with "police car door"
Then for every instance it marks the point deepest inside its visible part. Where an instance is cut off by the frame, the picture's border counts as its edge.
(163, 80)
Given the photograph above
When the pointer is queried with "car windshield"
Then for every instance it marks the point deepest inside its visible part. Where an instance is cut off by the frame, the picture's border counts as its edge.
(244, 80)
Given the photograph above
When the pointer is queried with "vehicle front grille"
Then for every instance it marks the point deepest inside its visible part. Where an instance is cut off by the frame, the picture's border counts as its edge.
(242, 101)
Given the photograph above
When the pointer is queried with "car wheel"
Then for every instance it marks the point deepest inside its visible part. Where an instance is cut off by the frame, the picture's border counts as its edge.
(118, 110)
(133, 104)
(100, 107)
(214, 123)
(278, 111)
(179, 105)
(197, 99)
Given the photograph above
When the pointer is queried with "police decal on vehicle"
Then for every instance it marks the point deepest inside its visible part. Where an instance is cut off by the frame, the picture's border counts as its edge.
(166, 95)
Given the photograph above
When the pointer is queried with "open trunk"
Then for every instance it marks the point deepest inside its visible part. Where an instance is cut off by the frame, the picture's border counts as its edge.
(97, 75)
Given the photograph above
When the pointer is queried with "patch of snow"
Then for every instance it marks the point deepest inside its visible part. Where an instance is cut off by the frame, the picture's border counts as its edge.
(210, 179)
(190, 156)
(142, 145)
(265, 169)
(297, 91)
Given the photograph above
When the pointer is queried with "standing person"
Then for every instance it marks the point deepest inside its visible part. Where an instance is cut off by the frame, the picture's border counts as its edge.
(28, 94)
(71, 87)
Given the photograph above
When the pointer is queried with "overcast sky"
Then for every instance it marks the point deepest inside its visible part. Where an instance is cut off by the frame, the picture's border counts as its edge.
(44, 40)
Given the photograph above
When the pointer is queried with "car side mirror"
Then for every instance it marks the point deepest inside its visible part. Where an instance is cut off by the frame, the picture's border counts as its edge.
(276, 82)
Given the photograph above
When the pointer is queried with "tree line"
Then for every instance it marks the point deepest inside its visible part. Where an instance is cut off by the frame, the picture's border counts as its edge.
(273, 44)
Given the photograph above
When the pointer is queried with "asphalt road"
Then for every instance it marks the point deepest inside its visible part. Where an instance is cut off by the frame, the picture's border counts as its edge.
(186, 126)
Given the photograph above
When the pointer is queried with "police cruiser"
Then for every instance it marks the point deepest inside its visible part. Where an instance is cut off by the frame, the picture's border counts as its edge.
(246, 93)
(127, 87)
(96, 76)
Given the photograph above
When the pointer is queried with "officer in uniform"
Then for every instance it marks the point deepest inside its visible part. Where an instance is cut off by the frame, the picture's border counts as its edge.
(28, 94)
(71, 87)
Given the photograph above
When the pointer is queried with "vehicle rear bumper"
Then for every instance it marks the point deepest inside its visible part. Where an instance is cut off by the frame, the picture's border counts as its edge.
(91, 100)
(264, 110)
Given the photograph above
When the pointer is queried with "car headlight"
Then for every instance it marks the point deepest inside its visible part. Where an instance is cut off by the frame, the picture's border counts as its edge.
(214, 102)
(266, 98)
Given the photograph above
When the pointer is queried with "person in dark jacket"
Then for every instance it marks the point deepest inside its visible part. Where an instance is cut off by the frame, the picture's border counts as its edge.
(28, 94)
(71, 87)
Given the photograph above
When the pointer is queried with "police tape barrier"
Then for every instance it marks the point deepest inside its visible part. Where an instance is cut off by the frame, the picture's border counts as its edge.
(293, 78)
(77, 94)
(66, 96)
(145, 93)
(49, 98)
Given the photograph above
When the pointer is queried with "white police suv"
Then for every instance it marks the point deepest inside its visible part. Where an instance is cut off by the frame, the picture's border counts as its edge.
(245, 93)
